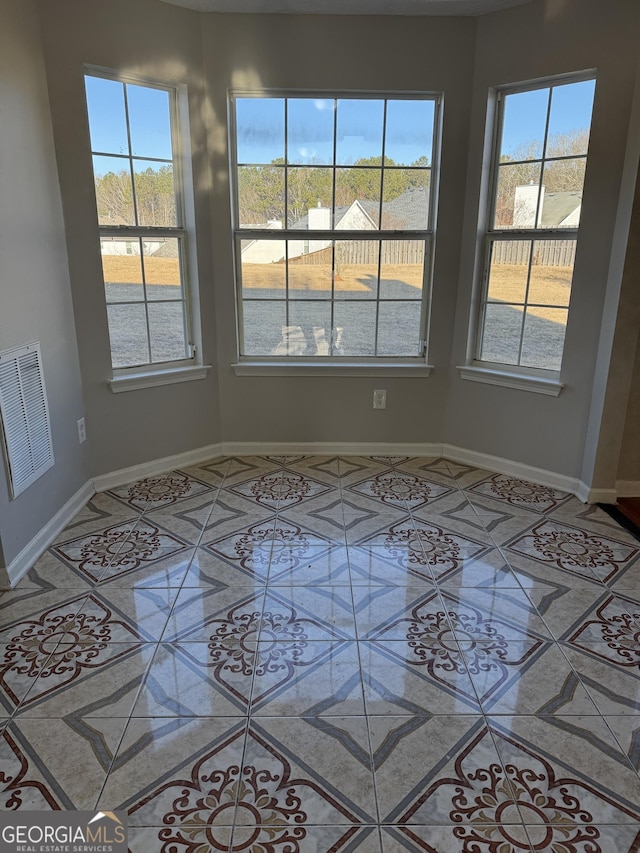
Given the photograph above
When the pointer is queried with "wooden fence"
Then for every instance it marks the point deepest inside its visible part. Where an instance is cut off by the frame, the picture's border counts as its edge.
(366, 252)
(546, 253)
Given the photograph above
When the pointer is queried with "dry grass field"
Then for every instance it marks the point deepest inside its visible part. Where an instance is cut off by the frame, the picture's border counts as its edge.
(549, 285)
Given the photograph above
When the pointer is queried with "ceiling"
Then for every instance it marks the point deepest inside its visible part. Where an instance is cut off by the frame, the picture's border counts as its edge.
(352, 7)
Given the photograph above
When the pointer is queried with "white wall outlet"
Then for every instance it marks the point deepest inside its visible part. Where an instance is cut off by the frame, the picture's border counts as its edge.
(82, 431)
(380, 399)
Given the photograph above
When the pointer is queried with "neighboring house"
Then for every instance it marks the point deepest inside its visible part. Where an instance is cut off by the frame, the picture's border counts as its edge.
(558, 210)
(409, 211)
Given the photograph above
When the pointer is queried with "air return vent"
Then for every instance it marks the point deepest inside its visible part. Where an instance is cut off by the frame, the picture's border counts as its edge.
(25, 416)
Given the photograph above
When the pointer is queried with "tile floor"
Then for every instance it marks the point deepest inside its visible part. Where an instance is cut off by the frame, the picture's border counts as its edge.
(314, 654)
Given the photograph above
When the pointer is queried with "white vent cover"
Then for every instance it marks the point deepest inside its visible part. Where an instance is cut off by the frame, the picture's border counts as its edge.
(25, 416)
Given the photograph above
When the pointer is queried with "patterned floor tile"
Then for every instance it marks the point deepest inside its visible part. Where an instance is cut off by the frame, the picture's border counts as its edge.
(525, 677)
(509, 838)
(403, 679)
(178, 773)
(100, 680)
(445, 772)
(567, 770)
(56, 749)
(161, 491)
(313, 654)
(610, 678)
(574, 550)
(626, 730)
(307, 678)
(191, 680)
(313, 771)
(520, 494)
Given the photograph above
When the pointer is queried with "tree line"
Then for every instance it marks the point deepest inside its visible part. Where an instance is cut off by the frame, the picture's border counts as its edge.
(154, 196)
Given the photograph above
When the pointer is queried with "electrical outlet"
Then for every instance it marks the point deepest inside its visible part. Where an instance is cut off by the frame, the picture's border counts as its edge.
(82, 432)
(380, 399)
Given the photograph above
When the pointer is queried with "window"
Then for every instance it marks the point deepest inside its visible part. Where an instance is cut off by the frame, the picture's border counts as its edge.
(141, 219)
(334, 210)
(540, 156)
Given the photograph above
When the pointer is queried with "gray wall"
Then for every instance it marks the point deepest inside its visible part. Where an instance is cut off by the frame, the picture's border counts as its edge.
(543, 38)
(461, 57)
(35, 298)
(162, 42)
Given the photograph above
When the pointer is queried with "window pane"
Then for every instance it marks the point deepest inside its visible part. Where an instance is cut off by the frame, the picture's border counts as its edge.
(260, 129)
(309, 197)
(509, 270)
(309, 328)
(310, 129)
(166, 327)
(114, 195)
(310, 269)
(570, 120)
(261, 196)
(405, 203)
(359, 131)
(358, 199)
(399, 328)
(356, 269)
(264, 325)
(122, 269)
(263, 269)
(562, 183)
(128, 335)
(543, 338)
(402, 269)
(155, 193)
(552, 272)
(525, 118)
(409, 135)
(517, 196)
(149, 122)
(162, 268)
(107, 120)
(501, 339)
(355, 328)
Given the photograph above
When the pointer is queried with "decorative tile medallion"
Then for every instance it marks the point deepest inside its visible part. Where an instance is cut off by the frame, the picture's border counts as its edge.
(574, 550)
(118, 548)
(61, 644)
(271, 803)
(610, 633)
(519, 493)
(459, 641)
(156, 492)
(280, 489)
(248, 549)
(247, 642)
(425, 545)
(396, 488)
(485, 802)
(19, 787)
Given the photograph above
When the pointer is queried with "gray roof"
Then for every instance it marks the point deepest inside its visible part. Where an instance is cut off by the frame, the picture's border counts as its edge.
(409, 211)
(557, 206)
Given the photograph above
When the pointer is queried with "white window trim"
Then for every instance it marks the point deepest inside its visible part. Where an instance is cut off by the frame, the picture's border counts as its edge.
(187, 369)
(414, 366)
(536, 380)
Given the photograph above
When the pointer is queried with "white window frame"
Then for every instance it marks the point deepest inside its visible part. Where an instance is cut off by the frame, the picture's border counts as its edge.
(343, 365)
(539, 380)
(191, 367)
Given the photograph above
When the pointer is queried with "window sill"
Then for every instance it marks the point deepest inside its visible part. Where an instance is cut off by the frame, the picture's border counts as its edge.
(149, 378)
(324, 368)
(512, 379)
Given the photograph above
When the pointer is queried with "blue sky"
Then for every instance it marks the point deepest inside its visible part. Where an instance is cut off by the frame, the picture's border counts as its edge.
(525, 114)
(360, 123)
(149, 119)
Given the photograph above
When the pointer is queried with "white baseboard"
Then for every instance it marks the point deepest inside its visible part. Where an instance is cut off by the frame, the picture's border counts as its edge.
(514, 469)
(45, 536)
(329, 448)
(155, 467)
(628, 488)
(596, 496)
